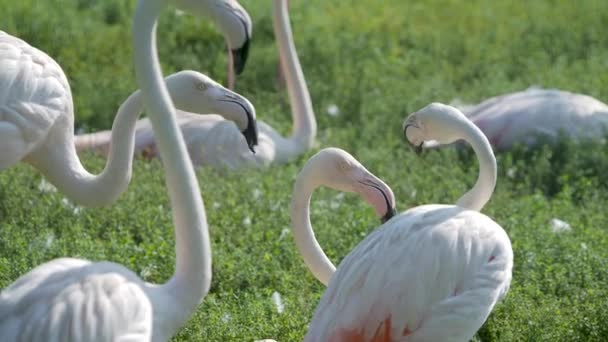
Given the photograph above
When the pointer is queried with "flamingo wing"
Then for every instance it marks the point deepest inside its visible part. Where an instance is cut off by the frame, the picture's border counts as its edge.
(433, 273)
(34, 91)
(75, 300)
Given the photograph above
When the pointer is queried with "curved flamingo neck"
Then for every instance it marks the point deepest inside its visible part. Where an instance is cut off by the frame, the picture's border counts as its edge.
(312, 253)
(480, 194)
(192, 278)
(121, 136)
(59, 162)
(304, 127)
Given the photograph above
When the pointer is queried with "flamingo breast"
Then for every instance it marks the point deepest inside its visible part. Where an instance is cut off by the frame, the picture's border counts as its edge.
(431, 273)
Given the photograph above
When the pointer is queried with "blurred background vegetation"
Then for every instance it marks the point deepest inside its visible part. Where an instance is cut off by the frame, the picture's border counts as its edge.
(376, 61)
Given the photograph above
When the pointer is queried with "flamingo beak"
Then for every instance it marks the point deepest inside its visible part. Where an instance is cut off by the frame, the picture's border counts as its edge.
(239, 57)
(389, 214)
(251, 133)
(416, 148)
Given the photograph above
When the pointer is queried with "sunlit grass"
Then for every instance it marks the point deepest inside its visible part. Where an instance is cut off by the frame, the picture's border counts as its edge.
(375, 62)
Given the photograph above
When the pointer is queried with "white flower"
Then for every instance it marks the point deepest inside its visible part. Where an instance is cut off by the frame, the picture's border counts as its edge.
(257, 193)
(511, 172)
(278, 302)
(284, 233)
(49, 241)
(45, 186)
(559, 226)
(583, 246)
(333, 110)
(247, 221)
(75, 208)
(216, 205)
(226, 317)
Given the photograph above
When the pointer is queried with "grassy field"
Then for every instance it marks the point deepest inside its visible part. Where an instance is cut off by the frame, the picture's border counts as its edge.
(376, 61)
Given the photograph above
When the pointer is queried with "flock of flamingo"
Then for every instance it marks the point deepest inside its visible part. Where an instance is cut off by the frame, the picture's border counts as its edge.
(431, 273)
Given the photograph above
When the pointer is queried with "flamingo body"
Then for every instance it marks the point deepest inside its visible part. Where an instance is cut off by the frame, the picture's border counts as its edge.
(215, 142)
(35, 99)
(209, 137)
(432, 273)
(76, 300)
(523, 117)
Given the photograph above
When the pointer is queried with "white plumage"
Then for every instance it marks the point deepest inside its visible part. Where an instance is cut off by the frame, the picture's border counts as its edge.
(37, 120)
(72, 300)
(213, 141)
(432, 273)
(525, 116)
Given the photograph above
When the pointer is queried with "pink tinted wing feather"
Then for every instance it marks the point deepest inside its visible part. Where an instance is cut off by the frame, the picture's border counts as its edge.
(415, 274)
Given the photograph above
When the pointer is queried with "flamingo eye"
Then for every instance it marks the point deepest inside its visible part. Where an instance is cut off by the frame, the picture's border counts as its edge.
(344, 165)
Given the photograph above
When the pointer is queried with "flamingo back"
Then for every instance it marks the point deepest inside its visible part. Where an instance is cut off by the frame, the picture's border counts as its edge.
(433, 273)
(76, 300)
(34, 92)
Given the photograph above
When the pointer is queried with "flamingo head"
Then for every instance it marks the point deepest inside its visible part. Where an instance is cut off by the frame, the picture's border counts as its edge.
(232, 20)
(431, 126)
(194, 92)
(339, 170)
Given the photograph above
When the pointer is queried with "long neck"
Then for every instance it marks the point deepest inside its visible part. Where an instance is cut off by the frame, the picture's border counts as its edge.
(312, 253)
(192, 278)
(61, 166)
(304, 124)
(481, 192)
(113, 142)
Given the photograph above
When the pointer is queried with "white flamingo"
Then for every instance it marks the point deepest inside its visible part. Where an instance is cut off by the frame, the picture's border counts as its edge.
(37, 120)
(76, 300)
(339, 170)
(431, 273)
(525, 116)
(213, 141)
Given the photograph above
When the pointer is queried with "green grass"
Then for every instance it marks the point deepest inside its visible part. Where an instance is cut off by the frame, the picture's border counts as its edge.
(376, 62)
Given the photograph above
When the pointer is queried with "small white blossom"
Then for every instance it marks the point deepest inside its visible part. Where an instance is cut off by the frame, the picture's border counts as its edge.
(216, 205)
(49, 241)
(75, 208)
(45, 186)
(284, 232)
(583, 246)
(278, 302)
(257, 193)
(247, 221)
(226, 317)
(511, 172)
(333, 110)
(559, 226)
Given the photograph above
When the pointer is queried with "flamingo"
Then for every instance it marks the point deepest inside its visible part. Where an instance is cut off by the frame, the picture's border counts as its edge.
(76, 300)
(37, 120)
(525, 116)
(213, 141)
(337, 169)
(431, 273)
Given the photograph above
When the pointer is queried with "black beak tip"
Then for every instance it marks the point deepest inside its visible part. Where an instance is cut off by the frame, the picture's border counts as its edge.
(251, 135)
(389, 214)
(239, 57)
